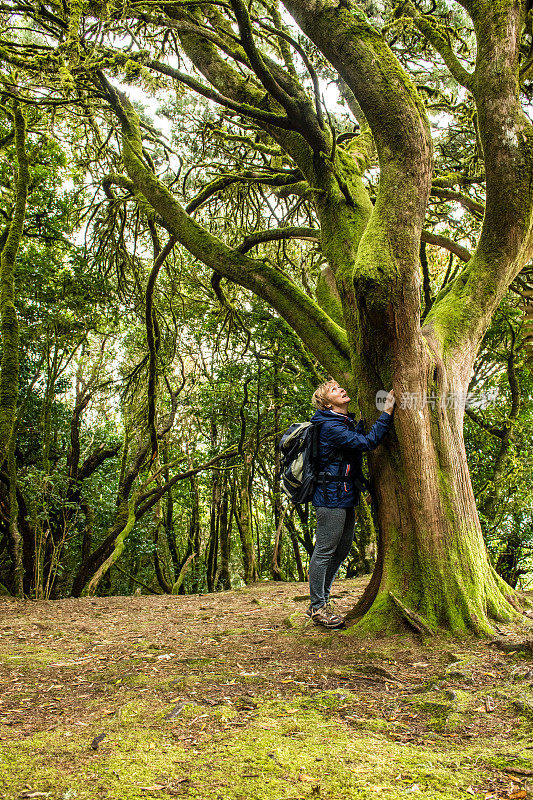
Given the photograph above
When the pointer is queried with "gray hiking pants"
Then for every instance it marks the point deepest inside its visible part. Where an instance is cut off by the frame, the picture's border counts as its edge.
(334, 536)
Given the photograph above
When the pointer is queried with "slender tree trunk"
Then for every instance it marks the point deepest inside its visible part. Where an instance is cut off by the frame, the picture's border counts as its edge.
(88, 530)
(244, 523)
(168, 516)
(194, 537)
(16, 538)
(509, 564)
(276, 492)
(9, 367)
(214, 523)
(490, 500)
(223, 575)
(159, 572)
(46, 412)
(307, 538)
(176, 588)
(276, 553)
(302, 576)
(28, 543)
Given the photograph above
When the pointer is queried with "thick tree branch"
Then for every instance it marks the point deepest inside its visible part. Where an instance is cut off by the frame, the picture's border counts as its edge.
(286, 39)
(307, 121)
(477, 209)
(382, 88)
(97, 458)
(206, 58)
(278, 234)
(443, 241)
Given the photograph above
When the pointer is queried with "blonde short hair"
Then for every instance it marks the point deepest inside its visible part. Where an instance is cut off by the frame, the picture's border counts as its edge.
(320, 398)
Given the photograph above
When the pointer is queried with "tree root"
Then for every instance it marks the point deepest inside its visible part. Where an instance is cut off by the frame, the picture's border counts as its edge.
(510, 647)
(413, 620)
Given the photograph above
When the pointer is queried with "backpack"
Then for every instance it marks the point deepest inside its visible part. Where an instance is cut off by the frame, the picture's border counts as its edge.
(299, 456)
(299, 464)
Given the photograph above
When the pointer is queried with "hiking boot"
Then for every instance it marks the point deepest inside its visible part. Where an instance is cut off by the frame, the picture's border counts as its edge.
(327, 618)
(330, 607)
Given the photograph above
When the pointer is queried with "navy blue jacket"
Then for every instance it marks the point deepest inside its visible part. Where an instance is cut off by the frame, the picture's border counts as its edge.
(340, 434)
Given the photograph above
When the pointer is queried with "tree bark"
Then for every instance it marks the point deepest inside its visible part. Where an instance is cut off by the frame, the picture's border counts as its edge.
(9, 367)
(276, 553)
(244, 523)
(223, 574)
(214, 525)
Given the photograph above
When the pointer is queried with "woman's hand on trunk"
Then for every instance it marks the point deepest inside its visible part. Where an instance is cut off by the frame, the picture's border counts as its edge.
(388, 408)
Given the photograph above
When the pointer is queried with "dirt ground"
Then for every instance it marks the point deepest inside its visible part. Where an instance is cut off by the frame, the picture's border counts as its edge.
(234, 695)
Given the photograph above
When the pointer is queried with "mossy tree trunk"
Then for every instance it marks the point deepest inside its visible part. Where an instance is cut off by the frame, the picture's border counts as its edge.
(223, 574)
(296, 549)
(243, 518)
(9, 367)
(214, 526)
(366, 329)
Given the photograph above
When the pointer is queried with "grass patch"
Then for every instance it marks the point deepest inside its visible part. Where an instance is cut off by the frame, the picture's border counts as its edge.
(284, 750)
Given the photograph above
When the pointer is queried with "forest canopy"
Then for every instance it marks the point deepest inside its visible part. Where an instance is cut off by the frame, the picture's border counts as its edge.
(208, 208)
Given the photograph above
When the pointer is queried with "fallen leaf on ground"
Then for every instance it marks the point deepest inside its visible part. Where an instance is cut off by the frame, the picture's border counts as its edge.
(306, 778)
(518, 771)
(489, 704)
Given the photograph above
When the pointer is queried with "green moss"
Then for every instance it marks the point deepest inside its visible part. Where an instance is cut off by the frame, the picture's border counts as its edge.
(131, 712)
(283, 752)
(28, 657)
(326, 700)
(9, 367)
(450, 316)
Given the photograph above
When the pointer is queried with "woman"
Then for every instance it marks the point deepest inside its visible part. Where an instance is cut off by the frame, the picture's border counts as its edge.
(341, 444)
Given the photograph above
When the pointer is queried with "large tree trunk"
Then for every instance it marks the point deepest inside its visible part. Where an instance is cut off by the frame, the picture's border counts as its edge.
(431, 553)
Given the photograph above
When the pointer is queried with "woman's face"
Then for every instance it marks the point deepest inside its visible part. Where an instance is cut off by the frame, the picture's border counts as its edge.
(338, 398)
